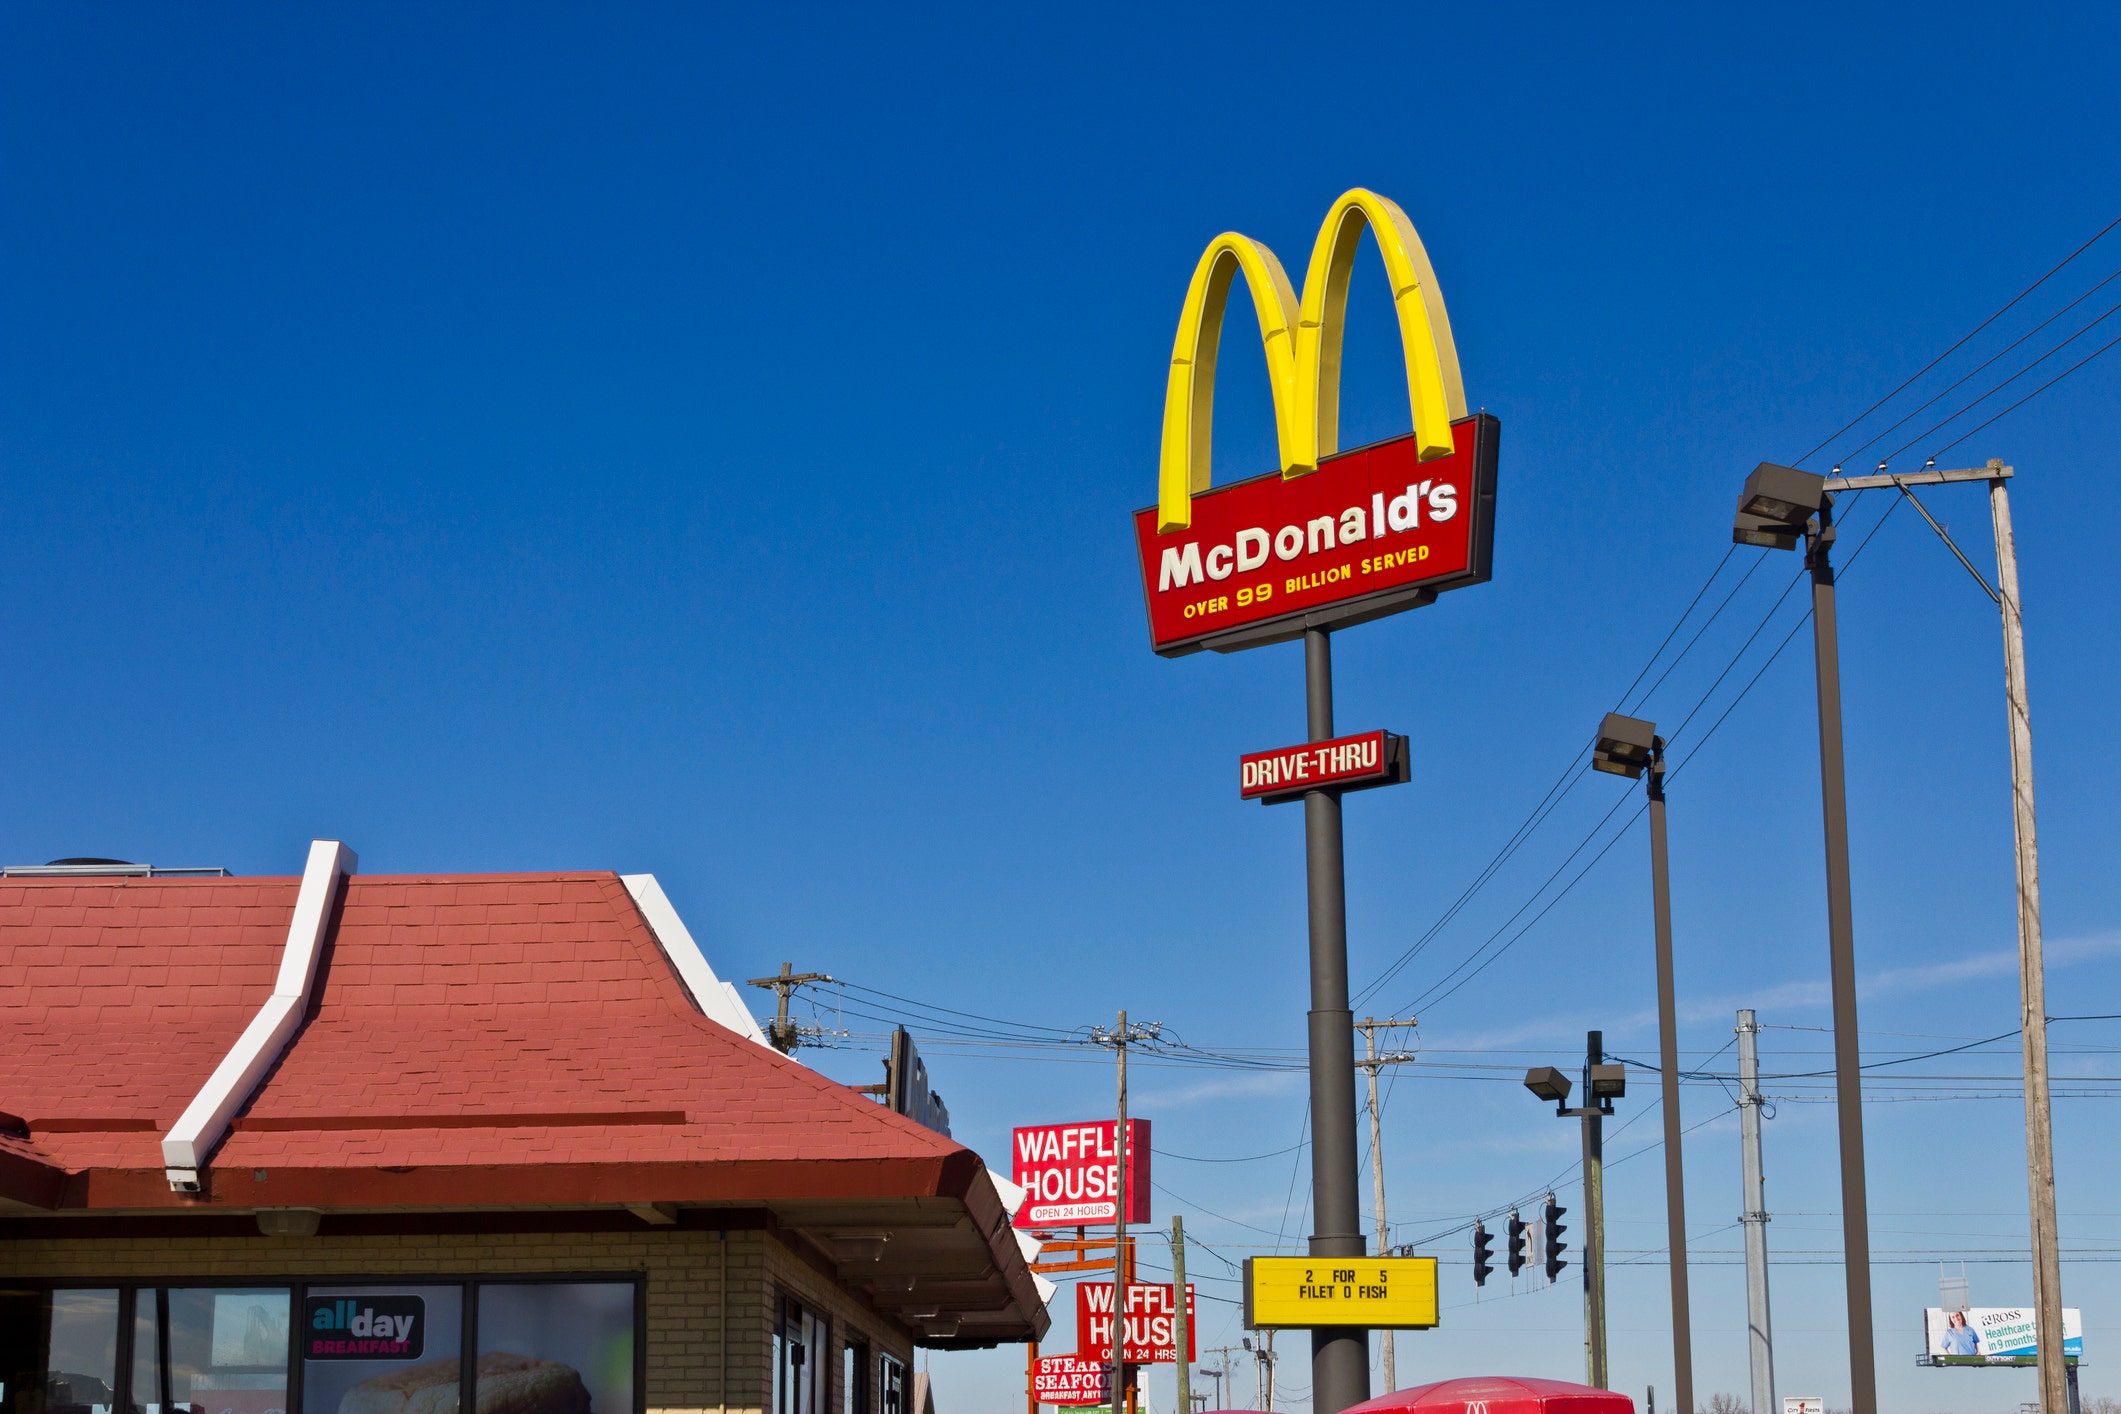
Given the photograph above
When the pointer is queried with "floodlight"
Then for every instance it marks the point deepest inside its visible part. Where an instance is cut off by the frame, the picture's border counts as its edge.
(1782, 493)
(1624, 745)
(1608, 1082)
(1767, 534)
(1548, 1084)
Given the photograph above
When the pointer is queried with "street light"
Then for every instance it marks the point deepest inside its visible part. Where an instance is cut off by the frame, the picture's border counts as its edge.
(1778, 504)
(1602, 1084)
(1629, 746)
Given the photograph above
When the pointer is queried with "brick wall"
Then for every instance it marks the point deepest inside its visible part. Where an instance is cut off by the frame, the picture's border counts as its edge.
(703, 1288)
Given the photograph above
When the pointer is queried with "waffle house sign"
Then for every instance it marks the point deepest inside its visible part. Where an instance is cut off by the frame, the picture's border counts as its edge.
(1333, 537)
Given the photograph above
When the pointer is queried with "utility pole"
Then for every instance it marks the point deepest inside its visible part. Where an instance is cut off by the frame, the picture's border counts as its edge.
(2056, 1378)
(1182, 1315)
(1221, 1374)
(1370, 1063)
(783, 1033)
(2032, 973)
(1760, 1341)
(1594, 1346)
(1119, 1039)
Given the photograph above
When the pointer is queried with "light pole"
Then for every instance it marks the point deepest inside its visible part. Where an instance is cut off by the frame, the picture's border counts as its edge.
(1778, 505)
(1628, 746)
(1602, 1084)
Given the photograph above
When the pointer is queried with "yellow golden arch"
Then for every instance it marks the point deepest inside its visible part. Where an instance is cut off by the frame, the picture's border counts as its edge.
(1303, 342)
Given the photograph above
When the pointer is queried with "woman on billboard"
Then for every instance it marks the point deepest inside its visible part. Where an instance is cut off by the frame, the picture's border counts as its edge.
(1959, 1337)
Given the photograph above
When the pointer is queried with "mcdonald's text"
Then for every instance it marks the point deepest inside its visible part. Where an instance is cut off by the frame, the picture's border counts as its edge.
(1369, 533)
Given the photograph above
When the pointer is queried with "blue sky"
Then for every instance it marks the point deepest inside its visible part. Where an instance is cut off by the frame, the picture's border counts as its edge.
(702, 442)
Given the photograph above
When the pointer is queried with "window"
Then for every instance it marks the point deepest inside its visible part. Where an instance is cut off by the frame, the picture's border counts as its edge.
(891, 1384)
(554, 1348)
(58, 1352)
(854, 1378)
(228, 1349)
(800, 1368)
(381, 1349)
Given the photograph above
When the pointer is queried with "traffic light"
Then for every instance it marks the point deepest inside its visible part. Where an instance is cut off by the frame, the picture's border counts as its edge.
(1554, 1244)
(1517, 1253)
(1483, 1254)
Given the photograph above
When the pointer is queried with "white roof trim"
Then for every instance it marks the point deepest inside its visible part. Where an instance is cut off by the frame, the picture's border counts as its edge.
(718, 1001)
(205, 1119)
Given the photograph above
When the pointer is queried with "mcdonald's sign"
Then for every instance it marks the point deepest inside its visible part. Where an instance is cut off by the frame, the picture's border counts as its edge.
(1336, 537)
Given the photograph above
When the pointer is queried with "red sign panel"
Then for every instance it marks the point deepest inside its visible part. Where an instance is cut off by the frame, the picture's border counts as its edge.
(1369, 533)
(1152, 1323)
(1069, 1379)
(1070, 1173)
(1345, 762)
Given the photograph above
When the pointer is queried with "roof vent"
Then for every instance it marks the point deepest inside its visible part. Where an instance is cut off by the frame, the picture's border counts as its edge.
(85, 867)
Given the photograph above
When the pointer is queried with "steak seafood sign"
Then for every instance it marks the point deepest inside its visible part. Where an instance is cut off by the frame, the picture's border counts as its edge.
(1070, 1173)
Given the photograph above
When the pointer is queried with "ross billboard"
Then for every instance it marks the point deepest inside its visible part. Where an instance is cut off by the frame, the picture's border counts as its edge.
(1993, 1335)
(1334, 537)
(1152, 1323)
(1369, 533)
(1070, 1379)
(1345, 763)
(1070, 1173)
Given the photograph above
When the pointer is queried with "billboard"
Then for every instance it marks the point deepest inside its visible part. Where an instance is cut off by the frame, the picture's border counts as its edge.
(1993, 1335)
(1070, 1173)
(1152, 1323)
(1070, 1379)
(1334, 537)
(1380, 1293)
(1369, 533)
(1345, 763)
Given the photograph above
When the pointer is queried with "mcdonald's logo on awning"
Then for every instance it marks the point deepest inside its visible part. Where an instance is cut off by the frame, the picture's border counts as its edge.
(1334, 537)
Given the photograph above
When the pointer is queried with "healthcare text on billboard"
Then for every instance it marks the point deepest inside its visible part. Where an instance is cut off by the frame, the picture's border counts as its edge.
(1365, 523)
(1996, 1335)
(1152, 1323)
(1070, 1379)
(1070, 1173)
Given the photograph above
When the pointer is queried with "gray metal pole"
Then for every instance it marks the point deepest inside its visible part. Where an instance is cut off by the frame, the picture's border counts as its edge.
(1841, 945)
(2032, 974)
(1760, 1340)
(1119, 1232)
(1340, 1356)
(1594, 1343)
(1668, 1038)
(1377, 1179)
(1183, 1336)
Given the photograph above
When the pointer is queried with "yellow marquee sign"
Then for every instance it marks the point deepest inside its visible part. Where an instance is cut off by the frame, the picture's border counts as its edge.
(1380, 1293)
(1303, 341)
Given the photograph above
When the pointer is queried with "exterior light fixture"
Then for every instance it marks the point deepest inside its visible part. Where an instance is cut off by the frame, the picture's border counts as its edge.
(1548, 1083)
(1624, 746)
(1774, 505)
(289, 1222)
(1608, 1082)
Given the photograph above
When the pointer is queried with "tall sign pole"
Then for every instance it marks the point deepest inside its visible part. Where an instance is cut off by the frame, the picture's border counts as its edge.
(1340, 1355)
(1341, 537)
(2032, 974)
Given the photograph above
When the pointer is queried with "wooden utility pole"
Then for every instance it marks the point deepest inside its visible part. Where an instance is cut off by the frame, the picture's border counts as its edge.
(2032, 974)
(1182, 1315)
(783, 1031)
(1119, 1039)
(1370, 1063)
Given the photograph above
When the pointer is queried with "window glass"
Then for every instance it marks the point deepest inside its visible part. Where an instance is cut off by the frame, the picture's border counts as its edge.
(228, 1349)
(147, 1351)
(555, 1348)
(59, 1353)
(854, 1378)
(801, 1370)
(381, 1349)
(891, 1385)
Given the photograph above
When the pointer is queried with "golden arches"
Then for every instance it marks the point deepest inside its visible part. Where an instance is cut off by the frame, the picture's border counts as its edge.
(1303, 361)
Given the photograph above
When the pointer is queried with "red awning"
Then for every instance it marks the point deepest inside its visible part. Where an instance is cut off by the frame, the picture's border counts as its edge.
(1502, 1394)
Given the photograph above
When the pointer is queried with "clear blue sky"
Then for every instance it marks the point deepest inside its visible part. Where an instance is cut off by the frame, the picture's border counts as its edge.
(512, 437)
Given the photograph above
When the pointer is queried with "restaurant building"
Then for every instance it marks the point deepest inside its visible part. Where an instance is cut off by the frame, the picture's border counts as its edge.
(346, 1144)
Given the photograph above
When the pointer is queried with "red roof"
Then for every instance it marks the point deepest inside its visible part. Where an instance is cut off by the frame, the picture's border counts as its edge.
(481, 1039)
(1502, 1394)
